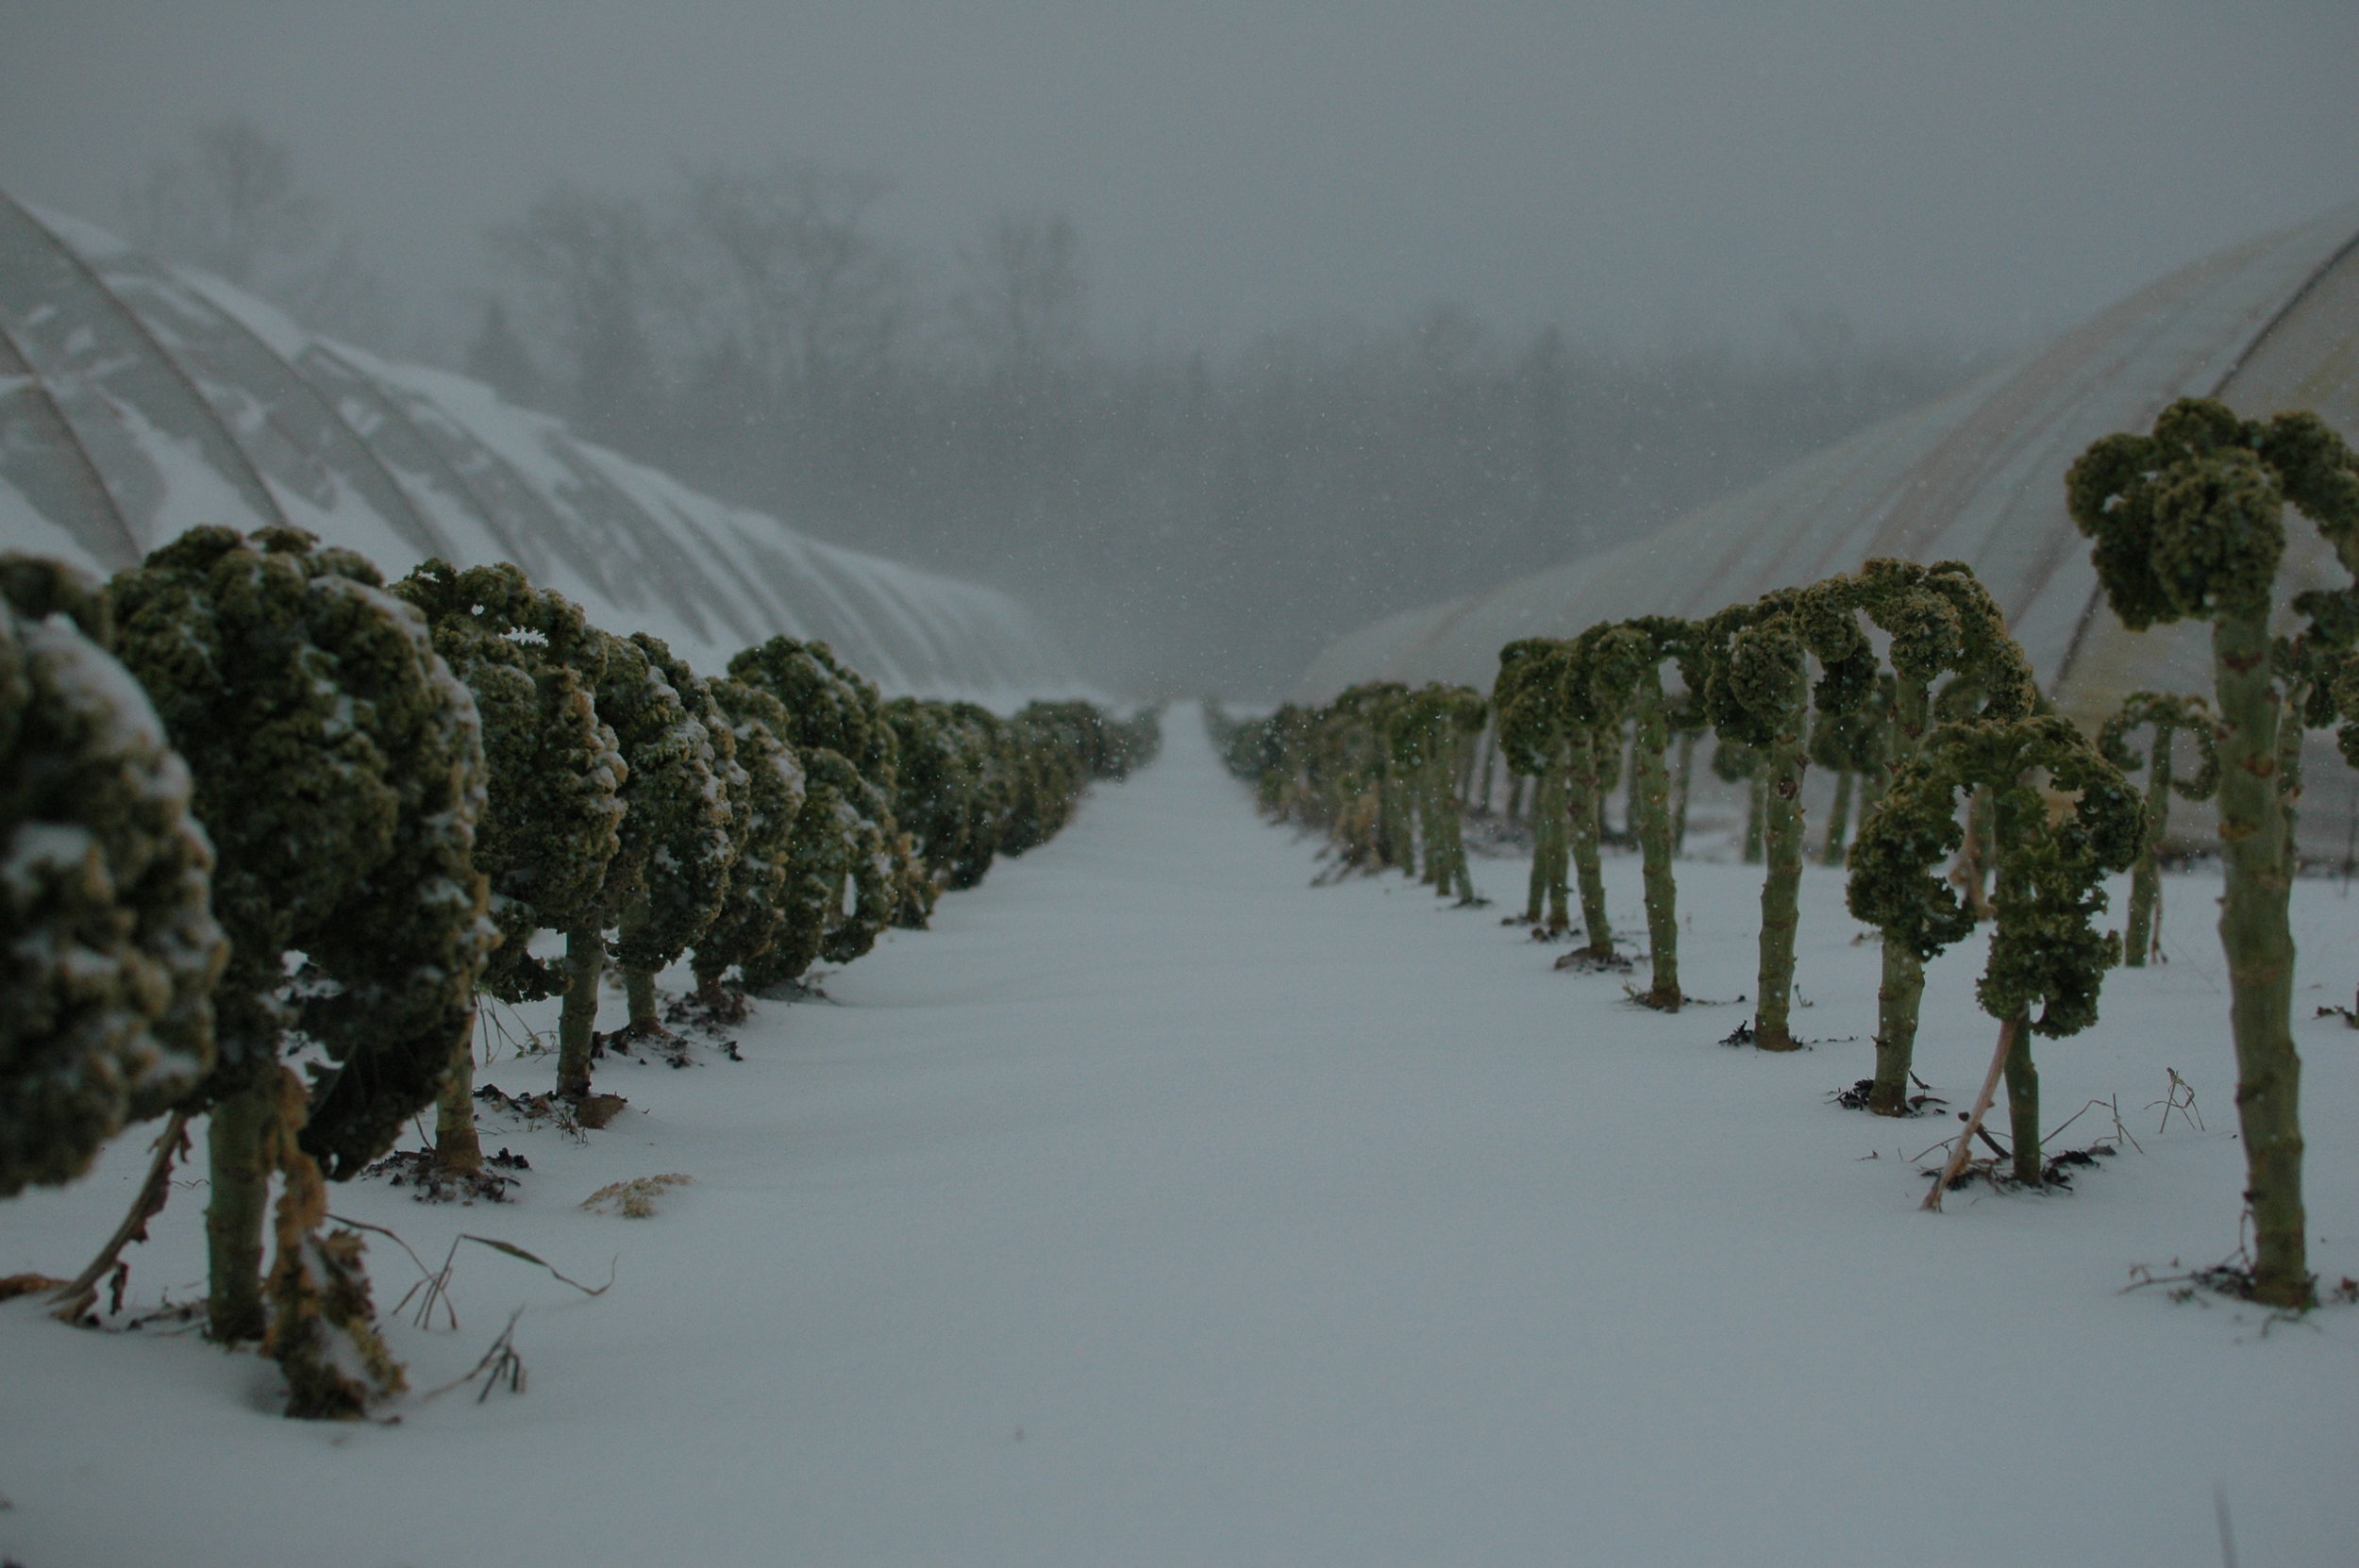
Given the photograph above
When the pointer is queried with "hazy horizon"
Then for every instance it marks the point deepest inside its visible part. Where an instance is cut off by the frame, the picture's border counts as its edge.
(1647, 173)
(1348, 305)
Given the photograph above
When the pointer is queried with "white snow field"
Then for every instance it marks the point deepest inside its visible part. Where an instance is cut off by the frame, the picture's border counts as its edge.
(1159, 1208)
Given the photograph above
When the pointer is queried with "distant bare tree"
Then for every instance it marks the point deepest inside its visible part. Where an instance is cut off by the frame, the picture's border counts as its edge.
(809, 292)
(499, 360)
(1196, 519)
(1021, 298)
(1018, 312)
(591, 260)
(236, 207)
(232, 205)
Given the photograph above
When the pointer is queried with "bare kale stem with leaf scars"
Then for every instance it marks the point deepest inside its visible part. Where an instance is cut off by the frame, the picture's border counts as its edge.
(1426, 733)
(1379, 770)
(1591, 733)
(2169, 715)
(2046, 958)
(1756, 662)
(553, 796)
(645, 769)
(1626, 674)
(1939, 621)
(1343, 780)
(1533, 743)
(2188, 523)
(339, 770)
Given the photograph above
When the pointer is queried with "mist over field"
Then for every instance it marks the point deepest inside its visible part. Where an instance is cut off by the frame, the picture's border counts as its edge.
(1211, 331)
(1335, 782)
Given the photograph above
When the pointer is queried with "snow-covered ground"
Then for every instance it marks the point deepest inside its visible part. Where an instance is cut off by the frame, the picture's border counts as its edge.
(1160, 1207)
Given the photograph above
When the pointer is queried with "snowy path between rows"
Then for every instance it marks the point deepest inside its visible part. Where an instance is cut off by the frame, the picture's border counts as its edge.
(1159, 1208)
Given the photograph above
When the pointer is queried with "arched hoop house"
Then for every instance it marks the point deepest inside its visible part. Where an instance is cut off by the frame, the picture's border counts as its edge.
(1977, 476)
(138, 400)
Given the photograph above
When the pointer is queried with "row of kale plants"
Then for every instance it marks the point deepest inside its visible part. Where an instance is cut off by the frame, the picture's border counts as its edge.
(1958, 756)
(263, 810)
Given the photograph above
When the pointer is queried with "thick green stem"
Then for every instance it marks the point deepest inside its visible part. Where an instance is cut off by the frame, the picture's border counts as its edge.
(1456, 877)
(641, 1017)
(1581, 805)
(2290, 736)
(1652, 781)
(1898, 997)
(239, 1142)
(1630, 785)
(1838, 820)
(1515, 799)
(2146, 880)
(1536, 894)
(1420, 804)
(1549, 814)
(2023, 1106)
(1441, 830)
(1780, 780)
(1901, 991)
(1687, 780)
(1462, 876)
(1396, 839)
(1441, 821)
(1753, 814)
(1490, 767)
(639, 992)
(456, 1145)
(1424, 791)
(2014, 821)
(2146, 877)
(2258, 939)
(577, 1019)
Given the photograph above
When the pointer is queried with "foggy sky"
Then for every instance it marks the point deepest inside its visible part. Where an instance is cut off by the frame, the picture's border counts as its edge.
(1989, 172)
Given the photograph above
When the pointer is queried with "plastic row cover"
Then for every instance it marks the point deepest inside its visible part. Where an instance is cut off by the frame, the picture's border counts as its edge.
(138, 400)
(1976, 477)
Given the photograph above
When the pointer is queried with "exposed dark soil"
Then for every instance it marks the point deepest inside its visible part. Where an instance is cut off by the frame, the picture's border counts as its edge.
(633, 1043)
(2056, 1171)
(1855, 1098)
(415, 1170)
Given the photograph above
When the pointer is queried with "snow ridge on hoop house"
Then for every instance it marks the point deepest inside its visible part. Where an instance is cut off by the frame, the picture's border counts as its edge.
(1976, 476)
(138, 400)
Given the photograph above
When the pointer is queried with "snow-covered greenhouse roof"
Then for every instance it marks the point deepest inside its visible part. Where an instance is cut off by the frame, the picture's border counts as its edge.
(1977, 476)
(138, 400)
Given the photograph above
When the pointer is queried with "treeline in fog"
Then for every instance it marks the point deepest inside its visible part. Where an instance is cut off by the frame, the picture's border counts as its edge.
(1192, 519)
